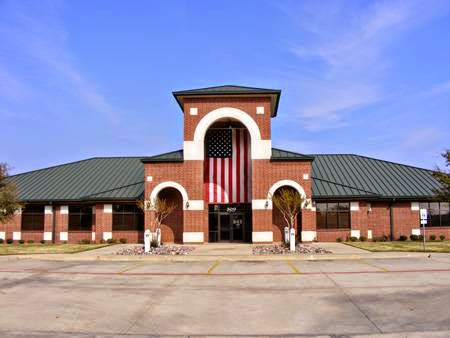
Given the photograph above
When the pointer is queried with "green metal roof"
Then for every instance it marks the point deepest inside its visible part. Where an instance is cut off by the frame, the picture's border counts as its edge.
(285, 155)
(340, 176)
(348, 175)
(230, 90)
(108, 178)
(173, 156)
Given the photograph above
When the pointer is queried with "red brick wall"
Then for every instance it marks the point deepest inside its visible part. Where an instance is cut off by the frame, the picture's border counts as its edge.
(131, 236)
(12, 224)
(76, 236)
(332, 235)
(35, 236)
(103, 222)
(206, 105)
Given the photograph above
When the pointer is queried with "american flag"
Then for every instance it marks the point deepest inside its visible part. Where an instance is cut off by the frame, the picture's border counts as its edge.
(228, 166)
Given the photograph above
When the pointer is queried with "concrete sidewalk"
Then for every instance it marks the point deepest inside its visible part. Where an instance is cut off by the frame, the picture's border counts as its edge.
(222, 252)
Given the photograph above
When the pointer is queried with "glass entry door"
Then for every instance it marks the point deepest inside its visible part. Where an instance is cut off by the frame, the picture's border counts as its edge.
(229, 223)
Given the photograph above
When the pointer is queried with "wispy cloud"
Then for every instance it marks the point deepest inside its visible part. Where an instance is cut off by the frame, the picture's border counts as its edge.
(347, 48)
(436, 90)
(36, 31)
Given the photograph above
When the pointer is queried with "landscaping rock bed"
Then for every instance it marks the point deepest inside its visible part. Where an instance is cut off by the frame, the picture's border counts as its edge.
(279, 249)
(169, 250)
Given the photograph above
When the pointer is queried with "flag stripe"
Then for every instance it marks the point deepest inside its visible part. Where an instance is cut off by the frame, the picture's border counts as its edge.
(228, 179)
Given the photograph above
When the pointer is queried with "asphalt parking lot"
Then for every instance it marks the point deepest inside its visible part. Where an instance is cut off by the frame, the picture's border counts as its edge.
(323, 297)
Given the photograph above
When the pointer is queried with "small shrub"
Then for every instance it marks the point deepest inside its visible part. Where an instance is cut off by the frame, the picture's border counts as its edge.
(154, 243)
(9, 241)
(112, 241)
(414, 237)
(442, 237)
(432, 237)
(420, 238)
(353, 239)
(339, 239)
(21, 241)
(363, 238)
(383, 238)
(64, 242)
(42, 241)
(403, 238)
(123, 240)
(30, 241)
(84, 241)
(102, 241)
(1, 240)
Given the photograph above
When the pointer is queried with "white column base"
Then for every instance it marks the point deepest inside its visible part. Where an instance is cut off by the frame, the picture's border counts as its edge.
(193, 237)
(93, 236)
(262, 236)
(415, 232)
(63, 236)
(355, 233)
(48, 236)
(107, 235)
(2, 235)
(17, 236)
(309, 236)
(369, 234)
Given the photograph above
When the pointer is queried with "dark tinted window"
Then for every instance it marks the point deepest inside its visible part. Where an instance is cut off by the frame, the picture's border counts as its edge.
(333, 215)
(33, 218)
(80, 218)
(127, 217)
(438, 213)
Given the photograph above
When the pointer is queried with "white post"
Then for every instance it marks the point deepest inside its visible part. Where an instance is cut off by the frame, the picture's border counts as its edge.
(292, 240)
(286, 235)
(147, 240)
(158, 236)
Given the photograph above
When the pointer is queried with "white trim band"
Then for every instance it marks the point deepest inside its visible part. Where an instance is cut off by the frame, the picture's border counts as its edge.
(63, 236)
(107, 208)
(354, 206)
(17, 235)
(309, 236)
(48, 235)
(48, 210)
(64, 210)
(107, 235)
(195, 205)
(193, 237)
(262, 236)
(170, 184)
(93, 236)
(261, 204)
(355, 233)
(415, 206)
(415, 232)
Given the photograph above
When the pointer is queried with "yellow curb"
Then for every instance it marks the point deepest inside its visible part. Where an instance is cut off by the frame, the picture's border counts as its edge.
(211, 269)
(293, 267)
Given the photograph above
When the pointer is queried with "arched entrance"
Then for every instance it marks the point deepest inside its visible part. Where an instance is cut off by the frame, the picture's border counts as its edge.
(228, 180)
(172, 227)
(279, 222)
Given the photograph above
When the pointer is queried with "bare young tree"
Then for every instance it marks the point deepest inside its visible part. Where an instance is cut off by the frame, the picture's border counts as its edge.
(8, 195)
(160, 206)
(290, 203)
(443, 193)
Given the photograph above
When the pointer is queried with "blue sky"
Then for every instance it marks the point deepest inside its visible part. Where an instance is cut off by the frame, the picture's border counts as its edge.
(94, 78)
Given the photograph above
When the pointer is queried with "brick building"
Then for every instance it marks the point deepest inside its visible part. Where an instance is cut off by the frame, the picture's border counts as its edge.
(222, 182)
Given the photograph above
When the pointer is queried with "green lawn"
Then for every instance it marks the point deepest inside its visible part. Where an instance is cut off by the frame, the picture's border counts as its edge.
(407, 246)
(24, 249)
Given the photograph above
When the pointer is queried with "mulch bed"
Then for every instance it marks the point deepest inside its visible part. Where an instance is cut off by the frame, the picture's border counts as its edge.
(169, 250)
(279, 249)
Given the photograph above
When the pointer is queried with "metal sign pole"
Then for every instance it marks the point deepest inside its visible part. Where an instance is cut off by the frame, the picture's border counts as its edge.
(423, 222)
